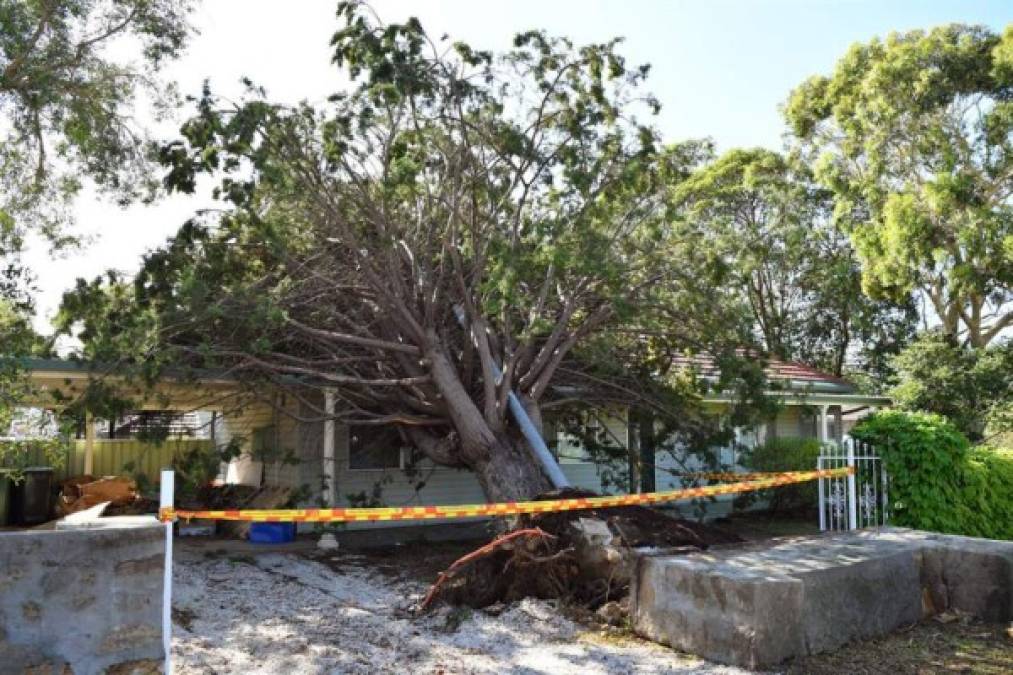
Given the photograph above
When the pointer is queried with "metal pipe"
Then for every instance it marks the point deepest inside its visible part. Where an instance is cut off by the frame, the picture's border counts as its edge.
(520, 415)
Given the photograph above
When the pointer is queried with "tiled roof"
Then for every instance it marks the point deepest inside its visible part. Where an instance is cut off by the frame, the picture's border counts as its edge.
(787, 374)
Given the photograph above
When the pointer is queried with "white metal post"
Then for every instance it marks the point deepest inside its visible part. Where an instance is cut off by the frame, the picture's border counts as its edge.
(165, 501)
(852, 490)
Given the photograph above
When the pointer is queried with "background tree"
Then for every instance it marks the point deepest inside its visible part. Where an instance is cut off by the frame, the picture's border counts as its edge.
(454, 211)
(762, 219)
(913, 137)
(67, 103)
(973, 388)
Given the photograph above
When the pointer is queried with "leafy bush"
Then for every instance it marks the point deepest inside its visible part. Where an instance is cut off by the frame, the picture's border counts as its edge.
(17, 455)
(783, 454)
(938, 481)
(987, 491)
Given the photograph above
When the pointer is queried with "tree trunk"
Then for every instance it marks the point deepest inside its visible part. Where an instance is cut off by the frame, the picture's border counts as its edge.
(505, 467)
(508, 471)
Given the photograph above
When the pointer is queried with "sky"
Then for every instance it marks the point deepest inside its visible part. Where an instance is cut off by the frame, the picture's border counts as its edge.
(721, 69)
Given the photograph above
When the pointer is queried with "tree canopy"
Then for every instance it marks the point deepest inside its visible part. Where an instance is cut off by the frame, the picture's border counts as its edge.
(766, 223)
(973, 388)
(913, 136)
(455, 212)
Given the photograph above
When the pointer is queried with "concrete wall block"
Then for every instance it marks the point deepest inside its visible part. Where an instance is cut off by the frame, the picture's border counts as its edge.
(91, 598)
(969, 577)
(756, 606)
(744, 620)
(858, 600)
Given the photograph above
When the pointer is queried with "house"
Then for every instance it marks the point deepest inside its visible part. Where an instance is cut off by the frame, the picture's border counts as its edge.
(283, 442)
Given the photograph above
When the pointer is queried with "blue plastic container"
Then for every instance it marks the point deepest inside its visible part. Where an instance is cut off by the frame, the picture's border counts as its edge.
(272, 533)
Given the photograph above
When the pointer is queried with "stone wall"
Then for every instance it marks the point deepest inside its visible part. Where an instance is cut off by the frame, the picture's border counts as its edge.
(83, 600)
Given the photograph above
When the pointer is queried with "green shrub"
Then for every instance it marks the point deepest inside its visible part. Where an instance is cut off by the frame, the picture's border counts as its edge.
(938, 481)
(783, 454)
(987, 491)
(17, 455)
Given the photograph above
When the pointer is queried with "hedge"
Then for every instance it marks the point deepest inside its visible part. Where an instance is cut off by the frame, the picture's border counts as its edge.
(779, 455)
(938, 481)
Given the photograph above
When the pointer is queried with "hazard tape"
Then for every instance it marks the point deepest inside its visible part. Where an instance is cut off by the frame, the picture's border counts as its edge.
(356, 515)
(733, 476)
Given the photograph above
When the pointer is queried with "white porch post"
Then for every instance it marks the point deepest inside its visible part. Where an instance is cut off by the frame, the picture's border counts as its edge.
(89, 443)
(824, 424)
(330, 489)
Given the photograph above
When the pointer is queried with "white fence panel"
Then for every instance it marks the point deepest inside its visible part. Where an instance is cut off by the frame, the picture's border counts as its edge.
(858, 500)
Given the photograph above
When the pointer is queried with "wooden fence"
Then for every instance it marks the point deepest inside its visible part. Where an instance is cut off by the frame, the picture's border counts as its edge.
(125, 457)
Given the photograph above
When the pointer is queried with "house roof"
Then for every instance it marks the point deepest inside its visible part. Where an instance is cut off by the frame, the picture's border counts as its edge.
(784, 376)
(791, 382)
(788, 380)
(80, 369)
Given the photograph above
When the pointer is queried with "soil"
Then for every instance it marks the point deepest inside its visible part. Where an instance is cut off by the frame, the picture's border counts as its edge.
(926, 648)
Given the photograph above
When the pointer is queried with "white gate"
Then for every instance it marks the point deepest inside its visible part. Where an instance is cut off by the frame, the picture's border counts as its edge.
(859, 499)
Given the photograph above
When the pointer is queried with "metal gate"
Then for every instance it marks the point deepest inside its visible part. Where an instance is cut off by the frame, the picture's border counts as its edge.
(859, 499)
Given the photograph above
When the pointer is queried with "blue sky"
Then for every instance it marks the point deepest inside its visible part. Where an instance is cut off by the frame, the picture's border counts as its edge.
(720, 69)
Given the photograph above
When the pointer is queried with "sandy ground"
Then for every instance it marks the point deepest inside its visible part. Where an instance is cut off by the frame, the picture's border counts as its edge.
(309, 613)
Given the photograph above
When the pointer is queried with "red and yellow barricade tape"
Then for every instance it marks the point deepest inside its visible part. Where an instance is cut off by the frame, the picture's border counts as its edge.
(355, 515)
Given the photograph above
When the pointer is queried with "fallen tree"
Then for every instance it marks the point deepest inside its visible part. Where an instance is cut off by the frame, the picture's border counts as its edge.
(519, 190)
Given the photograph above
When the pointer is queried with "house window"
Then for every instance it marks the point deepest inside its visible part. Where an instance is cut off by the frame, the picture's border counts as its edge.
(152, 424)
(375, 447)
(568, 443)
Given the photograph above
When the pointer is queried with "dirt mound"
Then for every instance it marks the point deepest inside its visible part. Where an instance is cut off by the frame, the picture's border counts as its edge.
(584, 556)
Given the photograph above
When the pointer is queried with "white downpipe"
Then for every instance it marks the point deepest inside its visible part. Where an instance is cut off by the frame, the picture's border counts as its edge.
(165, 500)
(330, 488)
(520, 415)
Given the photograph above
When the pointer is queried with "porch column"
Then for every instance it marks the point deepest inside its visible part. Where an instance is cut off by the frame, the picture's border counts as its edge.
(89, 443)
(330, 488)
(824, 424)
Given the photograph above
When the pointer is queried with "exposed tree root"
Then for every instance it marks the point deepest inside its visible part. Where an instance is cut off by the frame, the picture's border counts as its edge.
(499, 543)
(585, 556)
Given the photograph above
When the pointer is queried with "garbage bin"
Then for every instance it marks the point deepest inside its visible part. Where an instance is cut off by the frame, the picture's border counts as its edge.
(31, 497)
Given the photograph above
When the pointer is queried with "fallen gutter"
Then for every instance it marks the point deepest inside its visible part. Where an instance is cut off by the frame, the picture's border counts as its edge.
(520, 415)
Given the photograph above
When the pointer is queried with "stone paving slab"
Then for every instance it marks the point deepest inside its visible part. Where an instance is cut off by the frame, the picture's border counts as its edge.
(758, 605)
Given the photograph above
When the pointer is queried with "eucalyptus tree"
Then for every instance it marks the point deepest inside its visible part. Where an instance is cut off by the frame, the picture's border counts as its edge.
(762, 218)
(913, 135)
(454, 214)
